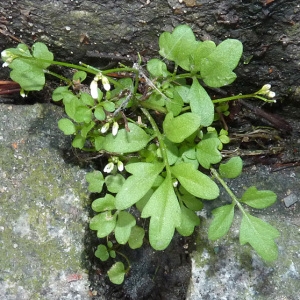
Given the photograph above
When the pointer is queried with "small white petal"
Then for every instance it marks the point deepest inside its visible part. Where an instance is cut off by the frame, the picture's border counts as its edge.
(266, 87)
(120, 166)
(175, 183)
(22, 93)
(108, 168)
(104, 128)
(115, 128)
(94, 89)
(271, 94)
(105, 83)
(6, 64)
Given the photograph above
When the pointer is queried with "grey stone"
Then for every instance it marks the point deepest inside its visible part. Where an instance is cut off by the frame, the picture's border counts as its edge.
(42, 216)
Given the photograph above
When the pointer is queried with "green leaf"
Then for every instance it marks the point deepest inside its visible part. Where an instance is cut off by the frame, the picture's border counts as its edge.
(232, 168)
(102, 253)
(179, 128)
(191, 201)
(201, 103)
(78, 141)
(95, 180)
(216, 69)
(258, 199)
(137, 185)
(195, 182)
(28, 70)
(182, 92)
(114, 183)
(66, 126)
(83, 114)
(260, 235)
(178, 46)
(157, 68)
(188, 221)
(60, 92)
(223, 217)
(202, 50)
(124, 224)
(136, 237)
(175, 104)
(116, 273)
(99, 140)
(99, 113)
(79, 75)
(86, 128)
(126, 142)
(207, 152)
(105, 203)
(87, 99)
(164, 210)
(104, 223)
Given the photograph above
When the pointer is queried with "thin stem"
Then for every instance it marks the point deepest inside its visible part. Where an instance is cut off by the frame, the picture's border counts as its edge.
(67, 80)
(242, 97)
(159, 136)
(127, 260)
(228, 190)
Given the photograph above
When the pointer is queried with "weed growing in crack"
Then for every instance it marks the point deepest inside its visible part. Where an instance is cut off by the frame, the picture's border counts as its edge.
(156, 126)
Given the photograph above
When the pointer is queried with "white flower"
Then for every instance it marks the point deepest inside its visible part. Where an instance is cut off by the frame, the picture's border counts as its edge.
(109, 167)
(120, 166)
(22, 93)
(104, 128)
(5, 65)
(105, 83)
(94, 89)
(115, 128)
(175, 183)
(270, 94)
(266, 88)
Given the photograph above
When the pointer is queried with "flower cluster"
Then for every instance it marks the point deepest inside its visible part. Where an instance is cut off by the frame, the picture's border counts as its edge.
(114, 160)
(115, 128)
(94, 85)
(266, 91)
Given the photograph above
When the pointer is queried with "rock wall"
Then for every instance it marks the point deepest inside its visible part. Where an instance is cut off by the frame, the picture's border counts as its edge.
(84, 30)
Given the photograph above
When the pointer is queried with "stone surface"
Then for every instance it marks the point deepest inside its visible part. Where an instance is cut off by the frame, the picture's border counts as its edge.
(95, 31)
(43, 217)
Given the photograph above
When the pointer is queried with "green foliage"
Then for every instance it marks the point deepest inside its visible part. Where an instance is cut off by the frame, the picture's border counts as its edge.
(165, 135)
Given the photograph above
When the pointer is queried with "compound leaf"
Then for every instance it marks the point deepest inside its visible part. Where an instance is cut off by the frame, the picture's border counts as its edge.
(95, 180)
(178, 45)
(137, 185)
(164, 210)
(201, 103)
(232, 168)
(116, 273)
(123, 227)
(189, 220)
(195, 182)
(105, 203)
(126, 142)
(258, 199)
(104, 223)
(207, 152)
(102, 253)
(136, 237)
(223, 217)
(216, 69)
(179, 128)
(260, 235)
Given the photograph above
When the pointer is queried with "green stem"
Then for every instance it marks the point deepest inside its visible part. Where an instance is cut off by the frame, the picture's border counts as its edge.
(160, 138)
(127, 260)
(242, 97)
(65, 79)
(228, 190)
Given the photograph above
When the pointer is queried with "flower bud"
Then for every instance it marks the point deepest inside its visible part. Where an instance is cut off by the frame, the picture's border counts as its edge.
(120, 166)
(109, 167)
(270, 94)
(115, 128)
(105, 83)
(94, 89)
(104, 128)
